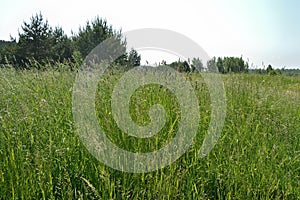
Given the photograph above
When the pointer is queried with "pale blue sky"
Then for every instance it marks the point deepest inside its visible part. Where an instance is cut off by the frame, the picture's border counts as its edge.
(261, 30)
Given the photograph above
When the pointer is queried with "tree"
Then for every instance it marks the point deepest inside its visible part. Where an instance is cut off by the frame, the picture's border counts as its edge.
(8, 51)
(181, 66)
(220, 66)
(93, 34)
(269, 69)
(211, 65)
(96, 32)
(62, 46)
(39, 42)
(232, 65)
(197, 65)
(35, 40)
(134, 59)
(272, 71)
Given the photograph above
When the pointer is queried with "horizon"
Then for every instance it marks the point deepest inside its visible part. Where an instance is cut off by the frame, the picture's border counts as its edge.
(261, 32)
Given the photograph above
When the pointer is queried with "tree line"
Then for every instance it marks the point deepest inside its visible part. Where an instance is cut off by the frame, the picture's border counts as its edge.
(219, 65)
(40, 45)
(38, 42)
(226, 65)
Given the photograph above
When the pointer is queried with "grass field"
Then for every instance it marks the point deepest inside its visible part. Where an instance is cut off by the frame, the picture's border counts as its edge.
(256, 157)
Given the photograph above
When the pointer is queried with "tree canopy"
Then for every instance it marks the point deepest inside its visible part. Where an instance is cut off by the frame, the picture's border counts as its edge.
(227, 65)
(39, 42)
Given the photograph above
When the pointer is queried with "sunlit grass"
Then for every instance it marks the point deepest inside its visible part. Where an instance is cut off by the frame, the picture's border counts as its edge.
(42, 157)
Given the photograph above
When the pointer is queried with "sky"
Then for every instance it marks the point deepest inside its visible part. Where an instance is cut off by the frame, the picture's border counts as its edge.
(262, 31)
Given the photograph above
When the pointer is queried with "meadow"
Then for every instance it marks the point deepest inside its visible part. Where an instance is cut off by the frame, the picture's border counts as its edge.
(42, 156)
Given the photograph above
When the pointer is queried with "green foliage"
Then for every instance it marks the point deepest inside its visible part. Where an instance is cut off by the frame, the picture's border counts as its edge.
(93, 34)
(35, 40)
(220, 65)
(181, 66)
(8, 51)
(283, 71)
(134, 59)
(40, 43)
(272, 71)
(42, 157)
(62, 46)
(269, 69)
(227, 65)
(211, 65)
(290, 72)
(197, 65)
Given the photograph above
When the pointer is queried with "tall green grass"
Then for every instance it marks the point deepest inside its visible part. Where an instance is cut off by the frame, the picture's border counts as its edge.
(42, 157)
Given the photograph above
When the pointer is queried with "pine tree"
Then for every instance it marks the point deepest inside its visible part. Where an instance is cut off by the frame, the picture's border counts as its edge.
(134, 59)
(93, 34)
(35, 40)
(197, 65)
